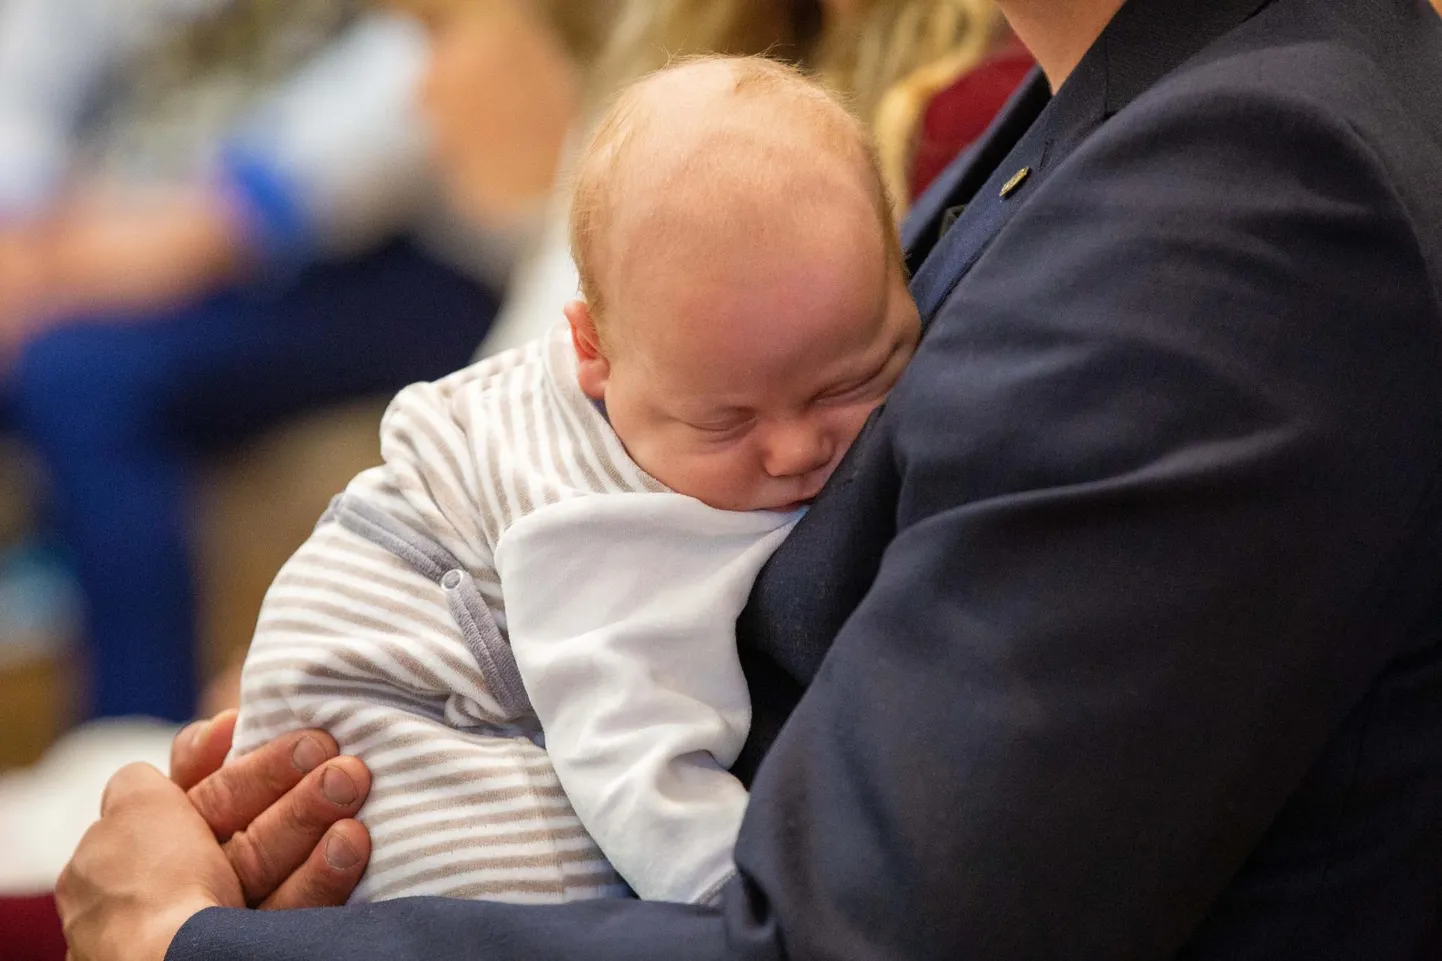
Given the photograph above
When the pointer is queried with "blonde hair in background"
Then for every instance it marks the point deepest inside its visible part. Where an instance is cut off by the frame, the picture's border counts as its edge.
(900, 55)
(888, 57)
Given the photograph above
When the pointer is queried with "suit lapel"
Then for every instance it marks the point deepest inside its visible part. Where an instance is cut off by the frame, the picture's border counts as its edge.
(1025, 144)
(965, 175)
(1036, 132)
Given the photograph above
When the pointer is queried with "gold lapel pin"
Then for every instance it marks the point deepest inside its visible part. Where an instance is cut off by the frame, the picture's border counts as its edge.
(1017, 179)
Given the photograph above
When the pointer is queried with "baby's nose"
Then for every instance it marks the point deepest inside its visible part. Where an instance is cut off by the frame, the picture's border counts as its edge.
(798, 449)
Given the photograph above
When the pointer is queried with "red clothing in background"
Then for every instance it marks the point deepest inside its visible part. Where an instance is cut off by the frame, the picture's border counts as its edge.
(961, 113)
(30, 929)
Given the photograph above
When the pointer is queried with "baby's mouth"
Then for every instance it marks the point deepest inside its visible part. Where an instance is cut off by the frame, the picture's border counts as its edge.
(805, 500)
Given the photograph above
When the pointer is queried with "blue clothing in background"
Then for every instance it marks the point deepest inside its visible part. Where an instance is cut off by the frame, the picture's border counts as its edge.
(121, 413)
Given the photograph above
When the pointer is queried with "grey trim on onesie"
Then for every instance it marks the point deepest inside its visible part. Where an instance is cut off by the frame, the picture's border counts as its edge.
(478, 627)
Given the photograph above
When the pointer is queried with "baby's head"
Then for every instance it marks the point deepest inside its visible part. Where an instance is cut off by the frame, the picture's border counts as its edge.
(745, 301)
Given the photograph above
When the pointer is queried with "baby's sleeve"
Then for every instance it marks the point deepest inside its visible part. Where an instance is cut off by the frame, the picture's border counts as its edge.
(353, 638)
(622, 610)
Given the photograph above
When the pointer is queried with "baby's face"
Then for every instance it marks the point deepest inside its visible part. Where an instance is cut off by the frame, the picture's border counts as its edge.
(742, 379)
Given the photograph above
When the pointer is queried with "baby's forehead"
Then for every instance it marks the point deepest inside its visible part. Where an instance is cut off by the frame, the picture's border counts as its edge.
(720, 155)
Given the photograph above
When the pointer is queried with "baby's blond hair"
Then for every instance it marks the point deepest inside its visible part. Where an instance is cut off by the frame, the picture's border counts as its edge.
(795, 97)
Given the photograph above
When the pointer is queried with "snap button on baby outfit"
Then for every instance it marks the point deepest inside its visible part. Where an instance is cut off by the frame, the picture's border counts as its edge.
(451, 580)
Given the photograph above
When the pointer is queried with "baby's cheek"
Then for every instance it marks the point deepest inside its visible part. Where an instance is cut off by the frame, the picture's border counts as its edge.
(697, 474)
(731, 468)
(731, 479)
(854, 418)
(658, 459)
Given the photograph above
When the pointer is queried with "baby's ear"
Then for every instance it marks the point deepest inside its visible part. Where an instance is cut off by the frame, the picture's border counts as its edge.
(593, 370)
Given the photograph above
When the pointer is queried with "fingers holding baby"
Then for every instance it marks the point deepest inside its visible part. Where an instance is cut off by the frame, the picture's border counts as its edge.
(283, 813)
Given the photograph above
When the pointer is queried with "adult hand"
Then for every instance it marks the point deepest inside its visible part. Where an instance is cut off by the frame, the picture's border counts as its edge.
(284, 812)
(141, 871)
(273, 830)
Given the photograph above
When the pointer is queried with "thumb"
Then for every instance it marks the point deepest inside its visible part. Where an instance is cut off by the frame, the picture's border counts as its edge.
(200, 749)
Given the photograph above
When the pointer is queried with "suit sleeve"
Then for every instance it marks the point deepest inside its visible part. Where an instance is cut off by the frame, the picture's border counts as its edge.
(1163, 456)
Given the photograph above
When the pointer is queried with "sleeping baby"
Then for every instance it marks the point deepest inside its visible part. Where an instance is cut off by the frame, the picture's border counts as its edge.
(523, 622)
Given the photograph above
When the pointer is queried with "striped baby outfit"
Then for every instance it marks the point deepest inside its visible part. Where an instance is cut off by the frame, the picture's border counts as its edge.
(530, 643)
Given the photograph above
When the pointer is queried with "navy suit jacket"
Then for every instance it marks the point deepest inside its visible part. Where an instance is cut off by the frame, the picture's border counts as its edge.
(1117, 634)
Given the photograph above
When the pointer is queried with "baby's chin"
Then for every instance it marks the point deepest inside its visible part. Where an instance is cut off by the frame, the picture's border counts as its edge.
(740, 505)
(781, 497)
(787, 508)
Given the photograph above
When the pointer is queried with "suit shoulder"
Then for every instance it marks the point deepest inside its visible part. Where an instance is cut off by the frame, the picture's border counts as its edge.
(1321, 103)
(1368, 79)
(1353, 63)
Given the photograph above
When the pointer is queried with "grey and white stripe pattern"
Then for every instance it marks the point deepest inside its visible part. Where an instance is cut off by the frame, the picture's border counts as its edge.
(356, 639)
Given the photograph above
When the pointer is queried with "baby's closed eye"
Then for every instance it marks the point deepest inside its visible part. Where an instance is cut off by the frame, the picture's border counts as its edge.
(721, 425)
(876, 382)
(718, 433)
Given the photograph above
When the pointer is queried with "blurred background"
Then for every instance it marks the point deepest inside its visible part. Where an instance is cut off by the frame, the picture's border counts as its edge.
(230, 230)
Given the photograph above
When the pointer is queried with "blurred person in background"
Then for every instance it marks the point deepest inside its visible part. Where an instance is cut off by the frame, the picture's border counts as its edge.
(214, 214)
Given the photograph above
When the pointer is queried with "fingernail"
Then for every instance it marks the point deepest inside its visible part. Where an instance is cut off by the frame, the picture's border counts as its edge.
(339, 854)
(337, 786)
(197, 733)
(307, 755)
